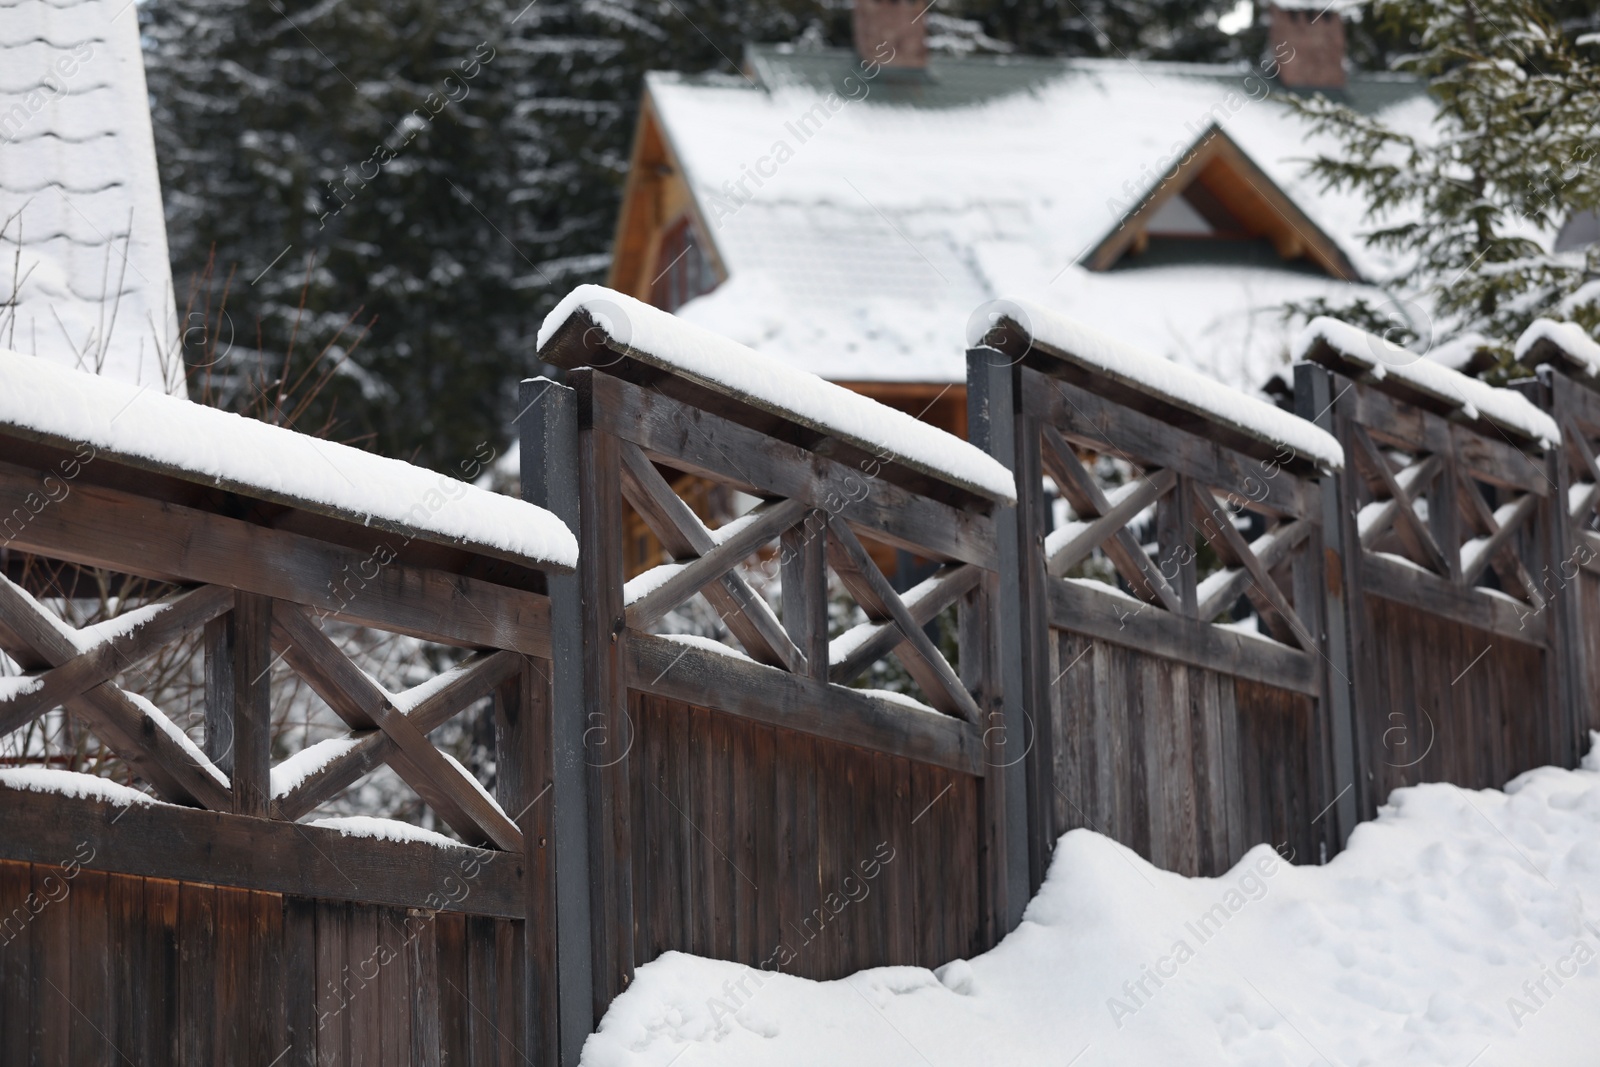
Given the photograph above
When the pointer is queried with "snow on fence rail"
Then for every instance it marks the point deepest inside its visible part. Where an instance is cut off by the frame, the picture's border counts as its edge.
(142, 427)
(593, 317)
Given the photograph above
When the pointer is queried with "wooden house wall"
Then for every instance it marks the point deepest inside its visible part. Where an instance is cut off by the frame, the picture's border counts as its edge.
(1441, 701)
(1186, 766)
(120, 969)
(781, 850)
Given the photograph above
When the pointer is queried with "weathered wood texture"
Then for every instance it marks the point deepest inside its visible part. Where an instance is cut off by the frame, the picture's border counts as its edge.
(1188, 767)
(114, 968)
(1445, 702)
(792, 853)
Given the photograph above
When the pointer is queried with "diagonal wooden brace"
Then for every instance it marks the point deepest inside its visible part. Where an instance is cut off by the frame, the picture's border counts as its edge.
(853, 564)
(684, 536)
(360, 702)
(36, 639)
(1230, 544)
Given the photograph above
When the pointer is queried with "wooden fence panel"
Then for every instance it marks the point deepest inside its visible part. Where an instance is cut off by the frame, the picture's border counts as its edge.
(101, 973)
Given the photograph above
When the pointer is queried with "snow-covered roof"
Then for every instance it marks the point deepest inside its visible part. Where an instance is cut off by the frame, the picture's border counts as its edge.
(1563, 343)
(861, 220)
(79, 190)
(1231, 411)
(143, 427)
(655, 338)
(1344, 347)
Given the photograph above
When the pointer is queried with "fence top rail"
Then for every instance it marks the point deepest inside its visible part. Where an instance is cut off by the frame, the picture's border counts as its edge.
(146, 429)
(596, 327)
(1415, 379)
(1563, 345)
(1023, 332)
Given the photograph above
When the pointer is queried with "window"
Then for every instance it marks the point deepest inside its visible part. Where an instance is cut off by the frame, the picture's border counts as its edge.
(683, 269)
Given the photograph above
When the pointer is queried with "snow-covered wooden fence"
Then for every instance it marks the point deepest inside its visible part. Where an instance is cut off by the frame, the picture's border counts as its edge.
(202, 923)
(1451, 518)
(1188, 740)
(754, 806)
(1060, 666)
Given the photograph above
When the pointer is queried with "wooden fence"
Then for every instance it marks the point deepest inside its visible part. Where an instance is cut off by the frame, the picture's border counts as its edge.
(1427, 611)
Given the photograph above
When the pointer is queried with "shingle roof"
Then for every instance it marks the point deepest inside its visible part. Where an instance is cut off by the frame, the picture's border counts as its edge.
(83, 253)
(870, 226)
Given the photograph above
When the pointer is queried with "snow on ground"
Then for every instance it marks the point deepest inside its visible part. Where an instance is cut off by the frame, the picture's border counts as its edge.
(1461, 927)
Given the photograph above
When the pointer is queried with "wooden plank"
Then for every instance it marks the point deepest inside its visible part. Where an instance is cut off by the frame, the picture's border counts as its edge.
(699, 442)
(1414, 533)
(1076, 607)
(167, 621)
(299, 980)
(161, 917)
(394, 988)
(684, 536)
(481, 992)
(270, 856)
(550, 478)
(361, 703)
(333, 998)
(238, 664)
(1271, 548)
(267, 1023)
(101, 527)
(229, 982)
(803, 574)
(94, 1015)
(471, 680)
(1394, 580)
(1106, 426)
(422, 963)
(1152, 486)
(197, 955)
(135, 996)
(16, 926)
(872, 591)
(366, 1008)
(455, 1010)
(777, 698)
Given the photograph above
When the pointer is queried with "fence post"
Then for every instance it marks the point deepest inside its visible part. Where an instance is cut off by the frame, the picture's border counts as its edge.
(1314, 401)
(1566, 640)
(1016, 749)
(549, 462)
(238, 705)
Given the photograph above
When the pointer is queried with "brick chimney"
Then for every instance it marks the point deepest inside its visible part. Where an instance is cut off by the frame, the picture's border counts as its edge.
(1306, 45)
(892, 32)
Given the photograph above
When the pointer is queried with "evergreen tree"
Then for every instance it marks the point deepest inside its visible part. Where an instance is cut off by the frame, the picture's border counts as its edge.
(1471, 208)
(1132, 29)
(444, 170)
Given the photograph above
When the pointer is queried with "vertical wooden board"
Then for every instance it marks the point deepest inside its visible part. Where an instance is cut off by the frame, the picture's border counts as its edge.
(1109, 762)
(691, 814)
(1206, 766)
(482, 992)
(162, 1001)
(130, 981)
(333, 999)
(510, 1040)
(1066, 722)
(93, 1017)
(786, 829)
(50, 963)
(450, 932)
(16, 930)
(299, 981)
(366, 1009)
(900, 910)
(422, 964)
(268, 1021)
(923, 864)
(743, 819)
(808, 843)
(764, 804)
(643, 767)
(394, 986)
(718, 829)
(231, 1033)
(197, 978)
(678, 846)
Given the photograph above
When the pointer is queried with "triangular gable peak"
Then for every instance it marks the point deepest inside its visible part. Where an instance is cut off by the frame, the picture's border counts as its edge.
(663, 253)
(1218, 194)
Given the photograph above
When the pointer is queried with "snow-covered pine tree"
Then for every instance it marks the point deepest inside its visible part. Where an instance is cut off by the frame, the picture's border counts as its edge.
(1471, 207)
(451, 167)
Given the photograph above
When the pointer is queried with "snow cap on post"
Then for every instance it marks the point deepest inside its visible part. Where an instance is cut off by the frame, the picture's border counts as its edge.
(1057, 345)
(600, 328)
(1412, 377)
(1562, 344)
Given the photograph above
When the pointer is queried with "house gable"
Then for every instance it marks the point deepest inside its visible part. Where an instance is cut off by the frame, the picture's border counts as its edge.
(663, 253)
(1218, 197)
